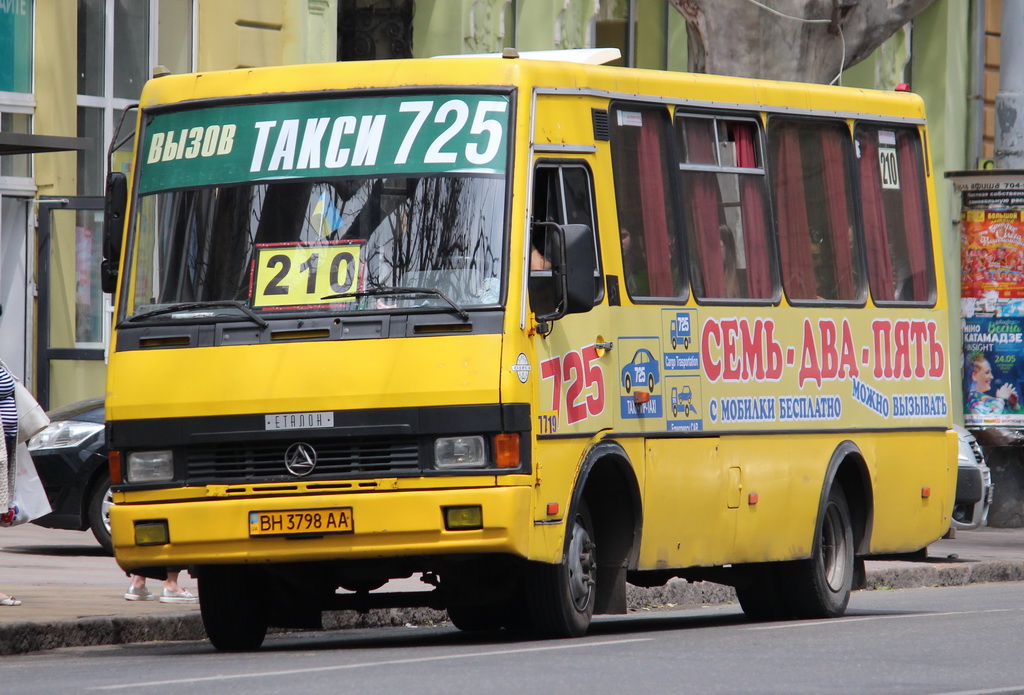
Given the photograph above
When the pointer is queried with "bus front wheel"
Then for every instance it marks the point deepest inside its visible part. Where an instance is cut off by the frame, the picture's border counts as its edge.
(760, 596)
(231, 610)
(820, 586)
(561, 597)
(484, 618)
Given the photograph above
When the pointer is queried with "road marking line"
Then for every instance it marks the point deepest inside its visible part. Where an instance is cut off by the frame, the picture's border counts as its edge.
(839, 621)
(1008, 690)
(369, 664)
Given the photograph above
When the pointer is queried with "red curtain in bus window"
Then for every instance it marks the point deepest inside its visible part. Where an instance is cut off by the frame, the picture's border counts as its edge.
(834, 175)
(913, 215)
(755, 245)
(653, 205)
(794, 236)
(704, 204)
(875, 233)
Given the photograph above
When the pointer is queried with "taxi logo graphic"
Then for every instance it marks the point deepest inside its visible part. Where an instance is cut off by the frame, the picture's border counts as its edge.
(642, 371)
(300, 459)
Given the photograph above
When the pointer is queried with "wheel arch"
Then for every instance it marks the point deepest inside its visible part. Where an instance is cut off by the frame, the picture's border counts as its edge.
(608, 485)
(848, 467)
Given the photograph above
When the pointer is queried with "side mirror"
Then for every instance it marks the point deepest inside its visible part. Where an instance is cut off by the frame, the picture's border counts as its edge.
(113, 228)
(568, 286)
(580, 262)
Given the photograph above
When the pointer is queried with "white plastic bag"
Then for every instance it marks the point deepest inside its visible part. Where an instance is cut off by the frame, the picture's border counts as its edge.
(31, 416)
(30, 501)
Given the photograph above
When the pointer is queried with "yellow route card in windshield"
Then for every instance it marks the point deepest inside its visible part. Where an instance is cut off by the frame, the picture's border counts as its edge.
(303, 275)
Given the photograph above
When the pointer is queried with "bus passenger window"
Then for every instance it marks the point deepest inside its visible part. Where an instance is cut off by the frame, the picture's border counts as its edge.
(896, 231)
(810, 166)
(652, 255)
(723, 190)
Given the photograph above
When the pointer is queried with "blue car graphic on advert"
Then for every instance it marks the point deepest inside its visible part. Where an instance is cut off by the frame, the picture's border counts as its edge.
(641, 371)
(682, 400)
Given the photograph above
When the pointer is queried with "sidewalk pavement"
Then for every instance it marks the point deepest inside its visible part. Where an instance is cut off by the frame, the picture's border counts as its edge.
(73, 594)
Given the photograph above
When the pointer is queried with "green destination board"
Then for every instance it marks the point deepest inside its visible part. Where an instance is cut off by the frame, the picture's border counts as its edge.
(435, 133)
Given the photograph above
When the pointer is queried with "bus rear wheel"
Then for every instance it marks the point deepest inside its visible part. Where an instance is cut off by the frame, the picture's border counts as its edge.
(561, 597)
(820, 586)
(232, 615)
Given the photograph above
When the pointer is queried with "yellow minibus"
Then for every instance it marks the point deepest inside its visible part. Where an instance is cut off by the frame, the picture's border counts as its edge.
(528, 329)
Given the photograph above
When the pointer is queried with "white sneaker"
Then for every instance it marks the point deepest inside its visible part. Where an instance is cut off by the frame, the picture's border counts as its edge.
(182, 596)
(143, 594)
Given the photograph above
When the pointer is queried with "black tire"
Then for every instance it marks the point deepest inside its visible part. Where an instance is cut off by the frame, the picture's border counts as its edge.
(98, 512)
(629, 383)
(760, 597)
(232, 615)
(561, 597)
(820, 586)
(650, 383)
(486, 618)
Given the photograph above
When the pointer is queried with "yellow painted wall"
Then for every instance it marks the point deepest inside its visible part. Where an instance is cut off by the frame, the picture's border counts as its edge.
(56, 79)
(255, 33)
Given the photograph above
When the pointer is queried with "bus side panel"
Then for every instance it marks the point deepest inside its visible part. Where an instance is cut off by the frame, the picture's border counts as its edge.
(914, 481)
(687, 521)
(739, 499)
(749, 499)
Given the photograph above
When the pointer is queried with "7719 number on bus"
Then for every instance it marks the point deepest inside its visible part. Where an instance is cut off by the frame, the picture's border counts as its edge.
(301, 522)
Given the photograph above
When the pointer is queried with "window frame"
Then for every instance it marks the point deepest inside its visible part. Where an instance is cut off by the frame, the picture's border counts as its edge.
(862, 291)
(673, 202)
(928, 252)
(717, 117)
(559, 165)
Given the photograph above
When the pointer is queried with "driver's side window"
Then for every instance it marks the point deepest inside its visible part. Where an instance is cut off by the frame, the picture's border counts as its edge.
(562, 194)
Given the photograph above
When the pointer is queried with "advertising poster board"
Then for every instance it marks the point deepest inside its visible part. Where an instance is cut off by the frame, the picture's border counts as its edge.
(992, 254)
(992, 296)
(993, 371)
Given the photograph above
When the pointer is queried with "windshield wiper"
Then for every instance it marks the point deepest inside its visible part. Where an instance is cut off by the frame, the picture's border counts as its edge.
(379, 291)
(194, 306)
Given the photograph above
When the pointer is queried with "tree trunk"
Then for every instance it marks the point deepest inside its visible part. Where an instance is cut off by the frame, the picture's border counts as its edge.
(747, 39)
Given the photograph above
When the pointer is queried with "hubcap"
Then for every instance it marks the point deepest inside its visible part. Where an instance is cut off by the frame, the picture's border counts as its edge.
(108, 501)
(833, 548)
(581, 566)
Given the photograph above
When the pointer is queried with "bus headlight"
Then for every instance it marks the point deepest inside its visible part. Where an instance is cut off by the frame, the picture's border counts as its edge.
(150, 466)
(460, 452)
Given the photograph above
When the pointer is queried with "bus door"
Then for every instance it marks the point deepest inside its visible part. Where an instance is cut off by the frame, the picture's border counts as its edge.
(574, 356)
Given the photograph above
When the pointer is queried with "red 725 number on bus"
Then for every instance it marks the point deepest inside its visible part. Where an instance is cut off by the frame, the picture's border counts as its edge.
(579, 373)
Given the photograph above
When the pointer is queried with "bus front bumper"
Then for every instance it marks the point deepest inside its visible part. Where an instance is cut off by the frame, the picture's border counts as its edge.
(383, 525)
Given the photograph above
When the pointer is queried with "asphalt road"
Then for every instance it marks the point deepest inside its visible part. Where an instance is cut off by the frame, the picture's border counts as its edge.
(932, 640)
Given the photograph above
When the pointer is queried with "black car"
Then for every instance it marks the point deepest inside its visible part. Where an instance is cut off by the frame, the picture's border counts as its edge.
(70, 455)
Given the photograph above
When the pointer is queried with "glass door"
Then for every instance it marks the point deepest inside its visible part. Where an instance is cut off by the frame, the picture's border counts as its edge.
(15, 317)
(74, 313)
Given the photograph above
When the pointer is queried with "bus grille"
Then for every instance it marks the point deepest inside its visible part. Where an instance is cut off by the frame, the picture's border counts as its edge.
(232, 462)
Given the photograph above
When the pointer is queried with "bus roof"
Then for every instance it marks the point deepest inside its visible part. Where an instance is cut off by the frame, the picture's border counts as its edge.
(534, 73)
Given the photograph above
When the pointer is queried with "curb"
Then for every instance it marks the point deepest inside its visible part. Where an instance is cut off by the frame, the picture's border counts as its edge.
(23, 637)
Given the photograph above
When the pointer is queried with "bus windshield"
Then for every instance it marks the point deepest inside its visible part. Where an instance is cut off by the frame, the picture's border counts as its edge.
(392, 207)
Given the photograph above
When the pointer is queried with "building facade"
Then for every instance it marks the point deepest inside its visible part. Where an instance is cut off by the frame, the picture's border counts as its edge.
(76, 66)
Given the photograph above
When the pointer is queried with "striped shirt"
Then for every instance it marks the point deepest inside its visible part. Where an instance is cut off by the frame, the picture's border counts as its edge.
(8, 407)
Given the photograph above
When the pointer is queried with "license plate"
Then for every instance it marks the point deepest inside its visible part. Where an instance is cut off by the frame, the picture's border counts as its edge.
(313, 522)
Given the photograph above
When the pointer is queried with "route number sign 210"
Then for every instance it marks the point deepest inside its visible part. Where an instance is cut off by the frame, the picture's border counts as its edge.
(301, 275)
